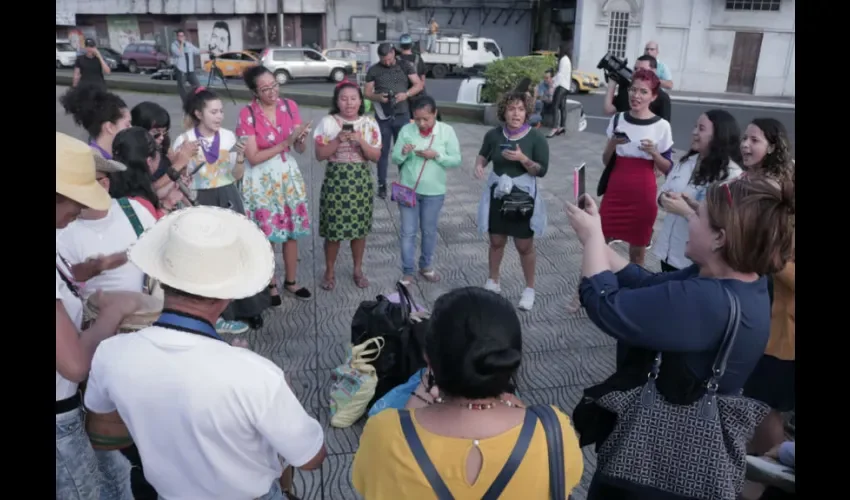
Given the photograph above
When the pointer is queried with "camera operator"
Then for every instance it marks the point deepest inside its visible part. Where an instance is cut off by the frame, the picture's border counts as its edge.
(183, 54)
(620, 103)
(390, 84)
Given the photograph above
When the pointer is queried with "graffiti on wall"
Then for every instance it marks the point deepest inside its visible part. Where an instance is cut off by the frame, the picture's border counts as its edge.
(77, 36)
(220, 36)
(123, 30)
(255, 33)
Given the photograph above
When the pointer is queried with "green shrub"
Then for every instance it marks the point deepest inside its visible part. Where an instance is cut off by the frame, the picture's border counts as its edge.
(503, 76)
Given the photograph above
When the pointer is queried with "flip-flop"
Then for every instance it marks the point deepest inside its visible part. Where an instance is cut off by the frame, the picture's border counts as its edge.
(430, 275)
(328, 284)
(406, 281)
(361, 281)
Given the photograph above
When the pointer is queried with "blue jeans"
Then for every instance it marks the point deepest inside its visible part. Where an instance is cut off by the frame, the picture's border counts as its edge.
(389, 133)
(275, 493)
(421, 218)
(83, 473)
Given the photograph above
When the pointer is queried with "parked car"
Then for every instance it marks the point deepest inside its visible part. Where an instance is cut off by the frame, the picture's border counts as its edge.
(66, 56)
(110, 56)
(232, 64)
(581, 80)
(289, 63)
(357, 60)
(145, 55)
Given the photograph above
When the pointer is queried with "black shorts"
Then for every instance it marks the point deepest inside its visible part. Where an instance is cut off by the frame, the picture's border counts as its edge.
(773, 382)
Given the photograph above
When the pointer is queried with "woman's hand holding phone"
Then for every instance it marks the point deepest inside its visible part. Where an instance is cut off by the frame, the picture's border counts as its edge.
(407, 148)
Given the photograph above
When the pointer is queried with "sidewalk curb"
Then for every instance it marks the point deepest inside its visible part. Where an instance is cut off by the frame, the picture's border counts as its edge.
(727, 102)
(454, 110)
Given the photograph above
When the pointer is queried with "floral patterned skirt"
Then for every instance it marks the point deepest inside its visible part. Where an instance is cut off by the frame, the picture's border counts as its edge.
(276, 199)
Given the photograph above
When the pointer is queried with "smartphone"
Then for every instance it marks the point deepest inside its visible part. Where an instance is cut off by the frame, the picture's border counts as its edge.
(622, 135)
(507, 146)
(239, 142)
(579, 185)
(348, 127)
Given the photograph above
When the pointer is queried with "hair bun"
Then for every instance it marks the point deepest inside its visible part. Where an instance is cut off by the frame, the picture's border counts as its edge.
(497, 362)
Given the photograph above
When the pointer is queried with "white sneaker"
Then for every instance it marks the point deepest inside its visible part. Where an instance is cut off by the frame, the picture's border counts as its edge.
(492, 286)
(526, 300)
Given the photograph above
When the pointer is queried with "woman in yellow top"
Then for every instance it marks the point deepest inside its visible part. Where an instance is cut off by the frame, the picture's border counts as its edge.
(474, 348)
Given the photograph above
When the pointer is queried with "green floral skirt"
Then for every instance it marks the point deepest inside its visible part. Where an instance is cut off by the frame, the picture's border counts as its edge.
(345, 202)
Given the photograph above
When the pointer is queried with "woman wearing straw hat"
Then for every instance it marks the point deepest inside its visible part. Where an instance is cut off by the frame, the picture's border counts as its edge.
(201, 434)
(106, 474)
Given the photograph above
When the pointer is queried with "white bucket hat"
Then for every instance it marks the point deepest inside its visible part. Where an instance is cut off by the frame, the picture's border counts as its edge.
(206, 251)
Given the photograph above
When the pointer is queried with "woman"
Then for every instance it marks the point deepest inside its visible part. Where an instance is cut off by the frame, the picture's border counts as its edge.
(102, 114)
(213, 173)
(766, 152)
(79, 468)
(638, 143)
(273, 188)
(562, 81)
(348, 140)
(137, 150)
(474, 348)
(519, 153)
(742, 230)
(714, 156)
(423, 152)
(172, 164)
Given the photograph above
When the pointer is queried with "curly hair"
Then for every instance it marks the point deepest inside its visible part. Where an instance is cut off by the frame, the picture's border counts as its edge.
(778, 163)
(511, 97)
(724, 148)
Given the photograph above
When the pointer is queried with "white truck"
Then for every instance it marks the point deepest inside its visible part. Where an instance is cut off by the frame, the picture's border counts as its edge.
(463, 54)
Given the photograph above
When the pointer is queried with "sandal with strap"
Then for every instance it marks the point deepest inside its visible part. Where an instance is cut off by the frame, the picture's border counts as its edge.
(301, 293)
(328, 284)
(361, 281)
(276, 300)
(406, 281)
(430, 275)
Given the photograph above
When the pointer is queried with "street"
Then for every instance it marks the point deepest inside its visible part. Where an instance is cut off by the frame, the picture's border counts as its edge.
(684, 115)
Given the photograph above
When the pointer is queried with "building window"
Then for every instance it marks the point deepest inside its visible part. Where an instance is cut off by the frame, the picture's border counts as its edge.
(618, 31)
(754, 5)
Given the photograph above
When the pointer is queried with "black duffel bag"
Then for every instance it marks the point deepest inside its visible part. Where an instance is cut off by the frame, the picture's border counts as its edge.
(404, 340)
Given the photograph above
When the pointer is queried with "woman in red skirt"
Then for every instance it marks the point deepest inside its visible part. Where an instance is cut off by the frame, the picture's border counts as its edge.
(639, 143)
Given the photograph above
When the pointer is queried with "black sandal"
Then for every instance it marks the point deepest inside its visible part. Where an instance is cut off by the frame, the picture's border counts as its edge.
(276, 300)
(300, 294)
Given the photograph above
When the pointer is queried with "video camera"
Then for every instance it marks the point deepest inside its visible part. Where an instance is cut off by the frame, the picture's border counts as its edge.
(211, 53)
(616, 69)
(391, 98)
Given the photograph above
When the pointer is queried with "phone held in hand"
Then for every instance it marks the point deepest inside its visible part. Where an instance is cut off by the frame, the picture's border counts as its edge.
(622, 135)
(348, 127)
(579, 185)
(507, 146)
(239, 142)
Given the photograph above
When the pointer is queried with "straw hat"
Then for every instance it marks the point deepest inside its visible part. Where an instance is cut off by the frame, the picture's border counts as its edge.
(75, 173)
(105, 166)
(206, 251)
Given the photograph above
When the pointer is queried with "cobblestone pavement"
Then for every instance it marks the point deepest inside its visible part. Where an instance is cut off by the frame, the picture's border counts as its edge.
(563, 353)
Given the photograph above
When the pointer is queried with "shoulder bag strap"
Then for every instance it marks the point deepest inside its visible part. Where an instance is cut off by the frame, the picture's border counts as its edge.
(555, 447)
(125, 205)
(616, 121)
(423, 165)
(515, 459)
(421, 457)
(718, 368)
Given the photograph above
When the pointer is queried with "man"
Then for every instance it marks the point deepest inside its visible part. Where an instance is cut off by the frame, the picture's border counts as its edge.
(219, 41)
(407, 54)
(210, 420)
(545, 92)
(389, 84)
(183, 58)
(90, 67)
(651, 49)
(433, 28)
(660, 106)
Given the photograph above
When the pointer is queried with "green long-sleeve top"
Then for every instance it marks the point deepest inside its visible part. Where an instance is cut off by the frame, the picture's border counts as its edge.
(446, 145)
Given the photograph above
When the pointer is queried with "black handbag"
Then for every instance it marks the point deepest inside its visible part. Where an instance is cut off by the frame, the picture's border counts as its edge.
(606, 174)
(695, 450)
(518, 205)
(404, 340)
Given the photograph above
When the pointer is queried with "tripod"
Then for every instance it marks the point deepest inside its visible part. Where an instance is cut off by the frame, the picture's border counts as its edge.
(213, 70)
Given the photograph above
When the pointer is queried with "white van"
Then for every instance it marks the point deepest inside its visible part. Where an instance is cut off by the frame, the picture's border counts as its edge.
(66, 56)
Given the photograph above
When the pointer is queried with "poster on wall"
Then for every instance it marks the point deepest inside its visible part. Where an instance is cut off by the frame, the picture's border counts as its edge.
(219, 36)
(122, 32)
(77, 36)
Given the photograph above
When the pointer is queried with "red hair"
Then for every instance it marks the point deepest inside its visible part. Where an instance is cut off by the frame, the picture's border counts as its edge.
(650, 78)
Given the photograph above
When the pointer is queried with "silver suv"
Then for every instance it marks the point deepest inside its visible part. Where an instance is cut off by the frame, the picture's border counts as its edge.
(291, 63)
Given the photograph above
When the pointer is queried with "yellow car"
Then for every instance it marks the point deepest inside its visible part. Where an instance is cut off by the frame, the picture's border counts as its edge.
(581, 81)
(232, 64)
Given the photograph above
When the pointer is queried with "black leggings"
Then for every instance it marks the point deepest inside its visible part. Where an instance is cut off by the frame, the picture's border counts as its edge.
(559, 104)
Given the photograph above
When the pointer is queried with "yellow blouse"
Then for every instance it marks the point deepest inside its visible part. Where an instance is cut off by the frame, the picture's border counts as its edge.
(385, 469)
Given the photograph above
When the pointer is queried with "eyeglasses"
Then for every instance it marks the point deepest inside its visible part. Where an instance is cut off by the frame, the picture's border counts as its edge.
(268, 90)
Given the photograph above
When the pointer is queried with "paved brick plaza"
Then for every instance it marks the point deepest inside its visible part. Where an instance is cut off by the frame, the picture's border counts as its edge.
(563, 353)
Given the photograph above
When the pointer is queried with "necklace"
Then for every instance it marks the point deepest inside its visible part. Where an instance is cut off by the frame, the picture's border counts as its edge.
(478, 406)
(211, 150)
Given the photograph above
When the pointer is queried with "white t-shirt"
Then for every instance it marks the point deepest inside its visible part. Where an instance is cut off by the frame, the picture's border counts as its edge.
(658, 131)
(85, 238)
(218, 174)
(209, 419)
(565, 73)
(671, 241)
(64, 387)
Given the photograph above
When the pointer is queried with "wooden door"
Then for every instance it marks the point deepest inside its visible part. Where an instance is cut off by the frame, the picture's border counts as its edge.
(745, 62)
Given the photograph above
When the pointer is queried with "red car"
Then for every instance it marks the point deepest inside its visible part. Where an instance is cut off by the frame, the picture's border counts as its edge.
(144, 56)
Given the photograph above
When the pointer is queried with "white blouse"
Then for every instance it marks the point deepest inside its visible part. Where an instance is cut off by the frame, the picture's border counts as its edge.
(669, 244)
